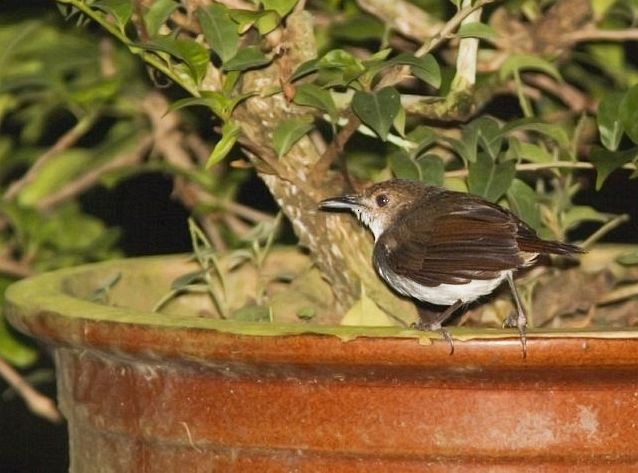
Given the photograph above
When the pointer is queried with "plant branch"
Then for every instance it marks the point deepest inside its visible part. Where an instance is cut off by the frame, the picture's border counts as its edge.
(466, 59)
(37, 403)
(446, 30)
(67, 140)
(605, 229)
(14, 268)
(533, 167)
(570, 95)
(335, 148)
(90, 178)
(404, 17)
(602, 35)
(149, 58)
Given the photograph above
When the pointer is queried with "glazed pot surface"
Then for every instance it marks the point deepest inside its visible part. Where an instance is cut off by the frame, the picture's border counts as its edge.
(149, 392)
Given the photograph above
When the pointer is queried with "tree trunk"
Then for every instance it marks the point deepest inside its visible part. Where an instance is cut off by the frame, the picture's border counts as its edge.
(337, 244)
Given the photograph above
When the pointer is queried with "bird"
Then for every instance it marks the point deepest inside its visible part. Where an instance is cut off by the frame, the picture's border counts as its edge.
(444, 247)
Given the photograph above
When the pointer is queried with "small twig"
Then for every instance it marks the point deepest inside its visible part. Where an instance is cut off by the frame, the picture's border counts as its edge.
(451, 25)
(247, 213)
(236, 225)
(88, 179)
(138, 21)
(67, 140)
(14, 268)
(37, 403)
(466, 59)
(620, 294)
(404, 17)
(335, 148)
(605, 229)
(532, 167)
(571, 96)
(602, 35)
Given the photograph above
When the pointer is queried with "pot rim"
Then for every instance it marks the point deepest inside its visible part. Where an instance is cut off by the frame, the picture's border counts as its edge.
(39, 306)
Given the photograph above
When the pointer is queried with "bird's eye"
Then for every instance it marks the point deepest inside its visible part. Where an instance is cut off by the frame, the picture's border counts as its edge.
(382, 200)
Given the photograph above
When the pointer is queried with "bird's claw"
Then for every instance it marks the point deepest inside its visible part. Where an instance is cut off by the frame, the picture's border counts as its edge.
(436, 327)
(518, 320)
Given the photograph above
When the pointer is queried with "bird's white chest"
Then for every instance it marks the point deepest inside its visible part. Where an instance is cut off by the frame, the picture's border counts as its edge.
(443, 294)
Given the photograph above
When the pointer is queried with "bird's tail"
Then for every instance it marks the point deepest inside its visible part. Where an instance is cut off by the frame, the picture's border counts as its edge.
(549, 246)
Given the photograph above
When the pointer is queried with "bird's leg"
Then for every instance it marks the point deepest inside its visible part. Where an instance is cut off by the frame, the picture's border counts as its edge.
(517, 319)
(435, 323)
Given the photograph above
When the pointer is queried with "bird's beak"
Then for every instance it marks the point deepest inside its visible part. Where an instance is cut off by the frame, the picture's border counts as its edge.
(348, 202)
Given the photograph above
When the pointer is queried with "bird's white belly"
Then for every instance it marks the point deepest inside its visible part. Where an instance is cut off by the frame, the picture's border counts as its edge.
(443, 294)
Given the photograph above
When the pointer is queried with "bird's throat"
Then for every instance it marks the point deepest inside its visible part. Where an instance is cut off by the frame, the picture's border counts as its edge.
(375, 225)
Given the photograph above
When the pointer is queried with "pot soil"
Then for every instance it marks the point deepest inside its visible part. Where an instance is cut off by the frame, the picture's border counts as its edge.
(148, 392)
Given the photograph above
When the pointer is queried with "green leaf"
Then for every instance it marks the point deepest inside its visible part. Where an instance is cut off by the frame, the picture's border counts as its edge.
(182, 282)
(628, 259)
(528, 152)
(157, 14)
(219, 30)
(365, 312)
(399, 122)
(306, 313)
(342, 61)
(628, 113)
(608, 118)
(422, 137)
(311, 95)
(304, 69)
(484, 131)
(432, 169)
(606, 162)
(230, 132)
(403, 167)
(220, 104)
(520, 62)
(425, 68)
(581, 213)
(55, 174)
(253, 313)
(287, 133)
(264, 20)
(120, 10)
(12, 350)
(555, 132)
(464, 149)
(523, 201)
(250, 57)
(477, 30)
(282, 7)
(193, 54)
(216, 101)
(489, 135)
(377, 110)
(490, 179)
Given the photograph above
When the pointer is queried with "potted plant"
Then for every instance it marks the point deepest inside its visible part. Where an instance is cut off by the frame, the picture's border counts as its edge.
(264, 357)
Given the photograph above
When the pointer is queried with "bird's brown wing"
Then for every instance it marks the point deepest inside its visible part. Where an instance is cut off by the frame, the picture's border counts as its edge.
(451, 240)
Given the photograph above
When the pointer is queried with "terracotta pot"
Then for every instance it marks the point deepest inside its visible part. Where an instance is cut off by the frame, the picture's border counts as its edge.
(144, 392)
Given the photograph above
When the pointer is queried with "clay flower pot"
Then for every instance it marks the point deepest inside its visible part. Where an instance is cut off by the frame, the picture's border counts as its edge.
(155, 393)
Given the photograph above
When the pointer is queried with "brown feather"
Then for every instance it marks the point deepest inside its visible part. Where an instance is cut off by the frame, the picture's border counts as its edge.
(451, 238)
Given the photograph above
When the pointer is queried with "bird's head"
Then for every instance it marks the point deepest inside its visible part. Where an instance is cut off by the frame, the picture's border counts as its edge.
(378, 205)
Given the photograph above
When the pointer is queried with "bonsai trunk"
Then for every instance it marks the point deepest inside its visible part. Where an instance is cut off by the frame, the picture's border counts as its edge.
(339, 247)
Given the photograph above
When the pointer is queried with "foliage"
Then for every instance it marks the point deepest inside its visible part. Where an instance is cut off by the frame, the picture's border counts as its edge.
(524, 103)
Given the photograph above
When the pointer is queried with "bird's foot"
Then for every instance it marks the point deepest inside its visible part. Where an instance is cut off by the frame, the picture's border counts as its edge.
(519, 320)
(435, 327)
